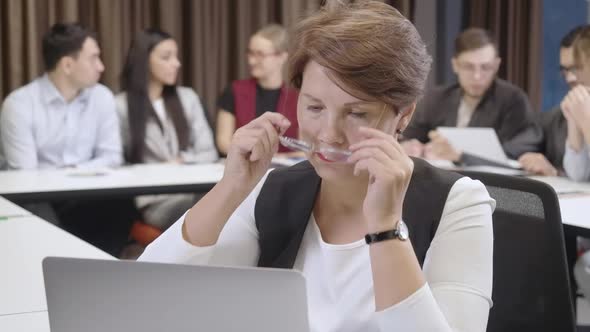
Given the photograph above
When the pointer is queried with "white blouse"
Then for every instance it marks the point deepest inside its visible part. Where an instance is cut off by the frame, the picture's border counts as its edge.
(577, 164)
(160, 109)
(457, 267)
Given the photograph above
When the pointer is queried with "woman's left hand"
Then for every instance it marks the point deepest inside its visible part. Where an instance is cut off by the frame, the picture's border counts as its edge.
(440, 148)
(576, 105)
(389, 169)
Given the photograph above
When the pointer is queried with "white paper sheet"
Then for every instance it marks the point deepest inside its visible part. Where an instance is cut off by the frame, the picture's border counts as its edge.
(481, 142)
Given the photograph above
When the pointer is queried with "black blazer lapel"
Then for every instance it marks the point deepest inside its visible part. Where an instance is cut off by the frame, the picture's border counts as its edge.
(451, 105)
(282, 212)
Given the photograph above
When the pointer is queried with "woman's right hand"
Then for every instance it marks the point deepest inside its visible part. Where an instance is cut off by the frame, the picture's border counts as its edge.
(252, 149)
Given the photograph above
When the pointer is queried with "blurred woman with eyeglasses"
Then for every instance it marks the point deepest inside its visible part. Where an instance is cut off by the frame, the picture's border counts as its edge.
(576, 109)
(548, 160)
(266, 91)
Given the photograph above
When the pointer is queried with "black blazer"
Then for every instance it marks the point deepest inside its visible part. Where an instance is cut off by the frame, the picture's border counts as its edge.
(287, 198)
(554, 126)
(504, 107)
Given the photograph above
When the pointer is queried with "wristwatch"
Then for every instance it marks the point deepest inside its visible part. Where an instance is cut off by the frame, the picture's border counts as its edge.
(399, 232)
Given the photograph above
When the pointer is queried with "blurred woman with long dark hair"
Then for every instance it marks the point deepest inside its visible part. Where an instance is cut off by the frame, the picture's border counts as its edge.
(161, 122)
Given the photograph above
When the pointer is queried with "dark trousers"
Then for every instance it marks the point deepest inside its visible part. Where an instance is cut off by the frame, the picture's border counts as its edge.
(104, 223)
(570, 235)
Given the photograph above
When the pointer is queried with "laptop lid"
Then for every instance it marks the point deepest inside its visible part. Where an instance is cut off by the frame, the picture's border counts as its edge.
(98, 295)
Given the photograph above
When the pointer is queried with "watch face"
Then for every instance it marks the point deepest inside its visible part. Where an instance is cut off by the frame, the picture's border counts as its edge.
(402, 230)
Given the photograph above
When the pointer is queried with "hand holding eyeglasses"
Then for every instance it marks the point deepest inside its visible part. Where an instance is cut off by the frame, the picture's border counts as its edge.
(252, 149)
(332, 154)
(389, 169)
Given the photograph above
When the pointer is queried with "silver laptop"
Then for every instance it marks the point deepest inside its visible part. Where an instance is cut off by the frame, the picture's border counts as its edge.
(100, 295)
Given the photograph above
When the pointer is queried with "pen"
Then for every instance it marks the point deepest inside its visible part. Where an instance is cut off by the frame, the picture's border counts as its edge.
(89, 174)
(4, 218)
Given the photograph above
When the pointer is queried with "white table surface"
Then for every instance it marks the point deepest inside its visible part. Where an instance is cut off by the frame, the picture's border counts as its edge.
(574, 199)
(563, 185)
(575, 210)
(26, 322)
(147, 177)
(11, 210)
(24, 242)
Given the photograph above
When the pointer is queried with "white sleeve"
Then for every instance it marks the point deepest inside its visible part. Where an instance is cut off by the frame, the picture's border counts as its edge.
(123, 114)
(237, 244)
(577, 164)
(16, 132)
(458, 269)
(108, 151)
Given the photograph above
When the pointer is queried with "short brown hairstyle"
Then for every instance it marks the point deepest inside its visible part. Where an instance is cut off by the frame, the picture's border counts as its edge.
(473, 39)
(370, 50)
(63, 39)
(581, 47)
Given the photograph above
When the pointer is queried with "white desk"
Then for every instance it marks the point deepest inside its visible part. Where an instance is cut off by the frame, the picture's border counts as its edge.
(574, 199)
(11, 210)
(43, 185)
(29, 322)
(24, 242)
(563, 185)
(575, 210)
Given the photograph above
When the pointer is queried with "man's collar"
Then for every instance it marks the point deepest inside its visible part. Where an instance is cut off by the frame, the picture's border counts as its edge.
(485, 96)
(51, 94)
(48, 90)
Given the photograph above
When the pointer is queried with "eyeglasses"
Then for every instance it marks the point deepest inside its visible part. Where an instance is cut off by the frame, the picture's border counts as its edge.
(299, 145)
(470, 68)
(333, 154)
(260, 54)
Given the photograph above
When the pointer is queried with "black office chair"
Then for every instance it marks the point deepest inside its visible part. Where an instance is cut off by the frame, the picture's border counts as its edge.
(531, 287)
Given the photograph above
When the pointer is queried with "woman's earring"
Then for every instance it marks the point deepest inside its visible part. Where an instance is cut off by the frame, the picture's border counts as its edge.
(399, 134)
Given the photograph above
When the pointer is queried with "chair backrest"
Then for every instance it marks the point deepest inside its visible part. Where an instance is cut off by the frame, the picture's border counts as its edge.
(531, 290)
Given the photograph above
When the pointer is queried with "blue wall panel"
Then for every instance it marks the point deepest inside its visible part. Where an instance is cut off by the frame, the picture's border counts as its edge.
(559, 16)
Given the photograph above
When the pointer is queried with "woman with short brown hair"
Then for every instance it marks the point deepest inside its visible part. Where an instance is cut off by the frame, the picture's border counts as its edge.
(385, 242)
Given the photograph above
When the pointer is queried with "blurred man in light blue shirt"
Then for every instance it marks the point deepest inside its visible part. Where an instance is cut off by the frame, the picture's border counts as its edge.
(66, 119)
(63, 118)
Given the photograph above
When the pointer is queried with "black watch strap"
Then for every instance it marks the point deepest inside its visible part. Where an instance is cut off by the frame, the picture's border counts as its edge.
(381, 236)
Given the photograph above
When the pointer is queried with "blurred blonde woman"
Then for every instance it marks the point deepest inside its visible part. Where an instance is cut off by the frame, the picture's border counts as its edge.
(265, 91)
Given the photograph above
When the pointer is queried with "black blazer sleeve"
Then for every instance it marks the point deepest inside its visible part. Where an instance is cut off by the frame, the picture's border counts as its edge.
(519, 132)
(421, 122)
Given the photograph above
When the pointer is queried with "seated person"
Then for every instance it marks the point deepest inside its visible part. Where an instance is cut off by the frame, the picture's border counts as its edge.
(576, 161)
(160, 122)
(576, 109)
(479, 99)
(245, 100)
(66, 119)
(549, 160)
(41, 122)
(340, 222)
